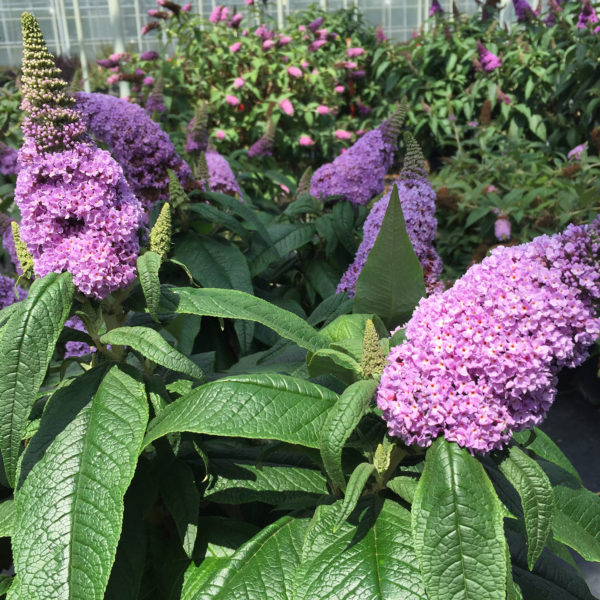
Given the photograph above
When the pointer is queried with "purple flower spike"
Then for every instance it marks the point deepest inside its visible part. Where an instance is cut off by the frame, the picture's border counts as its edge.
(587, 16)
(488, 60)
(435, 8)
(523, 10)
(480, 360)
(417, 199)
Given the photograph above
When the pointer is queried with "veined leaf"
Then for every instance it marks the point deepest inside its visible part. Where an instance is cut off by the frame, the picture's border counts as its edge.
(26, 348)
(233, 304)
(356, 484)
(333, 362)
(75, 471)
(341, 422)
(537, 499)
(267, 406)
(391, 281)
(457, 527)
(148, 265)
(7, 516)
(153, 346)
(404, 486)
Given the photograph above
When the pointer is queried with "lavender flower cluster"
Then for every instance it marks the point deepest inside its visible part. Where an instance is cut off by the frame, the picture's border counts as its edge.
(220, 175)
(7, 292)
(76, 349)
(141, 147)
(78, 212)
(417, 199)
(480, 360)
(358, 174)
(8, 160)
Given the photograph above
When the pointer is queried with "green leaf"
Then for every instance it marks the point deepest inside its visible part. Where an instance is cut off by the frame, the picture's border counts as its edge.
(542, 445)
(26, 348)
(7, 516)
(331, 308)
(218, 264)
(347, 327)
(404, 486)
(537, 499)
(153, 346)
(148, 265)
(356, 485)
(577, 514)
(370, 556)
(458, 527)
(333, 362)
(391, 282)
(75, 472)
(234, 304)
(237, 481)
(342, 419)
(214, 215)
(258, 406)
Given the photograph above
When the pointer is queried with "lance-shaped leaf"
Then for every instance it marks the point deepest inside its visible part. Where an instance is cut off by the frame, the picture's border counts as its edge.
(148, 265)
(74, 473)
(356, 484)
(152, 345)
(457, 527)
(391, 282)
(260, 406)
(537, 498)
(26, 348)
(233, 304)
(7, 516)
(341, 422)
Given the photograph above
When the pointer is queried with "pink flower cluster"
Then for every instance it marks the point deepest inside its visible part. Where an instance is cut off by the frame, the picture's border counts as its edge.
(480, 360)
(221, 177)
(587, 16)
(488, 60)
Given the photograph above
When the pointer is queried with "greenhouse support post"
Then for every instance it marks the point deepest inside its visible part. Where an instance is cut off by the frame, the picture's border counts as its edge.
(114, 12)
(82, 57)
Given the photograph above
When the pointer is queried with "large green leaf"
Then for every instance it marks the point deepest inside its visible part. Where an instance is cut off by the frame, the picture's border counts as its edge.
(233, 304)
(268, 406)
(74, 474)
(457, 527)
(341, 422)
(7, 517)
(391, 282)
(369, 557)
(537, 498)
(148, 266)
(152, 345)
(577, 514)
(26, 348)
(216, 263)
(236, 481)
(214, 215)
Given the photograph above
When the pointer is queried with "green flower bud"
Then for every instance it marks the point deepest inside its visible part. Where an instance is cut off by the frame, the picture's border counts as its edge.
(25, 259)
(160, 235)
(373, 358)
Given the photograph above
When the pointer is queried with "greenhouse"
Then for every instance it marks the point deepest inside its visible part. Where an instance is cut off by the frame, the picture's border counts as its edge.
(300, 301)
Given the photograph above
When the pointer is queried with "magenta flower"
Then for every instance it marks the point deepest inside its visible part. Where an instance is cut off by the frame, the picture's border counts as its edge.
(349, 64)
(149, 55)
(339, 89)
(268, 44)
(342, 134)
(315, 24)
(575, 153)
(236, 20)
(284, 40)
(301, 28)
(523, 10)
(323, 110)
(587, 16)
(314, 46)
(215, 15)
(148, 81)
(158, 14)
(186, 7)
(235, 47)
(502, 228)
(488, 60)
(354, 52)
(238, 83)
(149, 27)
(249, 2)
(232, 100)
(294, 72)
(480, 360)
(305, 141)
(220, 135)
(435, 8)
(304, 64)
(380, 36)
(286, 106)
(502, 96)
(112, 79)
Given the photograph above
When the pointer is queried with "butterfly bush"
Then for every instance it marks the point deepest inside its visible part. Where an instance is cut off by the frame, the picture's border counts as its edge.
(220, 176)
(78, 212)
(8, 160)
(489, 61)
(141, 147)
(75, 349)
(358, 174)
(7, 292)
(417, 199)
(481, 359)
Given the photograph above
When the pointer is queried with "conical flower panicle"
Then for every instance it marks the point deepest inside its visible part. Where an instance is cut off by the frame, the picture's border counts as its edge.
(177, 195)
(197, 129)
(201, 172)
(160, 234)
(53, 123)
(304, 183)
(392, 127)
(414, 160)
(264, 145)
